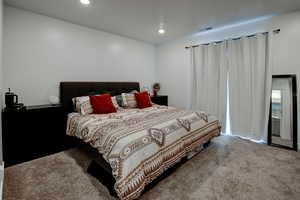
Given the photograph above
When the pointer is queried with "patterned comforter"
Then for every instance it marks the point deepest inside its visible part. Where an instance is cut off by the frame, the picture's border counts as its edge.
(140, 144)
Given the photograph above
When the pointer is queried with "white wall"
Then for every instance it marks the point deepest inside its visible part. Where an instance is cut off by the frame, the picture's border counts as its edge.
(40, 52)
(173, 59)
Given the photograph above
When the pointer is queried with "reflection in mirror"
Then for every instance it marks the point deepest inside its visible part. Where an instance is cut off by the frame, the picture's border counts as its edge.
(282, 112)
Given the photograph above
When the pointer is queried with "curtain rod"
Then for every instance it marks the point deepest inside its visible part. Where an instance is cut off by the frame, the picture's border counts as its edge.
(220, 41)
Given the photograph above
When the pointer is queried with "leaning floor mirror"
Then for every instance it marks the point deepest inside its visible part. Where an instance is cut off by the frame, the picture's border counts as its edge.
(283, 112)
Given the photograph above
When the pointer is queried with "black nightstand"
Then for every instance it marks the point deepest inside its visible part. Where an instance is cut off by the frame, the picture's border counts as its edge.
(33, 132)
(160, 100)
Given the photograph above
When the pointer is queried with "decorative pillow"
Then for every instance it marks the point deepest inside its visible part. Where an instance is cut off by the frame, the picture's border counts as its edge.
(82, 105)
(143, 100)
(102, 104)
(129, 100)
(119, 100)
(115, 102)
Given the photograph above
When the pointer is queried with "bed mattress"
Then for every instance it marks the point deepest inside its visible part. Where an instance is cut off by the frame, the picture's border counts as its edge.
(140, 144)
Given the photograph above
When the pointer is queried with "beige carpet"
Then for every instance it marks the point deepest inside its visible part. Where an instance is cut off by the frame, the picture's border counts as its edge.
(231, 168)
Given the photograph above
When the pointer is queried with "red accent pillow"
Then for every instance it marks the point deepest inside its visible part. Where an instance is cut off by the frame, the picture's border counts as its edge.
(102, 104)
(143, 100)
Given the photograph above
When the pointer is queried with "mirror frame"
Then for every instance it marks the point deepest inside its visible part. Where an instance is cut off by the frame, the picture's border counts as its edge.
(295, 121)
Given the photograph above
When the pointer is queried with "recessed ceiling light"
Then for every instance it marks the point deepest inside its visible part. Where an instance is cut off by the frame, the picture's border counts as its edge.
(161, 31)
(85, 2)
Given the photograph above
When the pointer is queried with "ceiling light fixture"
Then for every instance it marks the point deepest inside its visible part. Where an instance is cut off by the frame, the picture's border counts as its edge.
(161, 31)
(85, 2)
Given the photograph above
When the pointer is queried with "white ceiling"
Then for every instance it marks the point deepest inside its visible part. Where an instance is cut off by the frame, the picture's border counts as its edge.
(140, 19)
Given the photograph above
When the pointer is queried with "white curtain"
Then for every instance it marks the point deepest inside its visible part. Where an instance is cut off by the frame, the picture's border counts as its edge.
(250, 85)
(209, 80)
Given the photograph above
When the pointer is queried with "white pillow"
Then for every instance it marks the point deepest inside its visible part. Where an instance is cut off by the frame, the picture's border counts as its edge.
(115, 102)
(129, 100)
(83, 105)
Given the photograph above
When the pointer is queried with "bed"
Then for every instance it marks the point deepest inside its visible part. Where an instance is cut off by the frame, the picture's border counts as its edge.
(134, 147)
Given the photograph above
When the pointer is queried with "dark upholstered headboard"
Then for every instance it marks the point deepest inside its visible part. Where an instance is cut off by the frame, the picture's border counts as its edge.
(69, 90)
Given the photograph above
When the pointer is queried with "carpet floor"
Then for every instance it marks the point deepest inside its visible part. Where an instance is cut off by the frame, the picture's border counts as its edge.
(231, 168)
